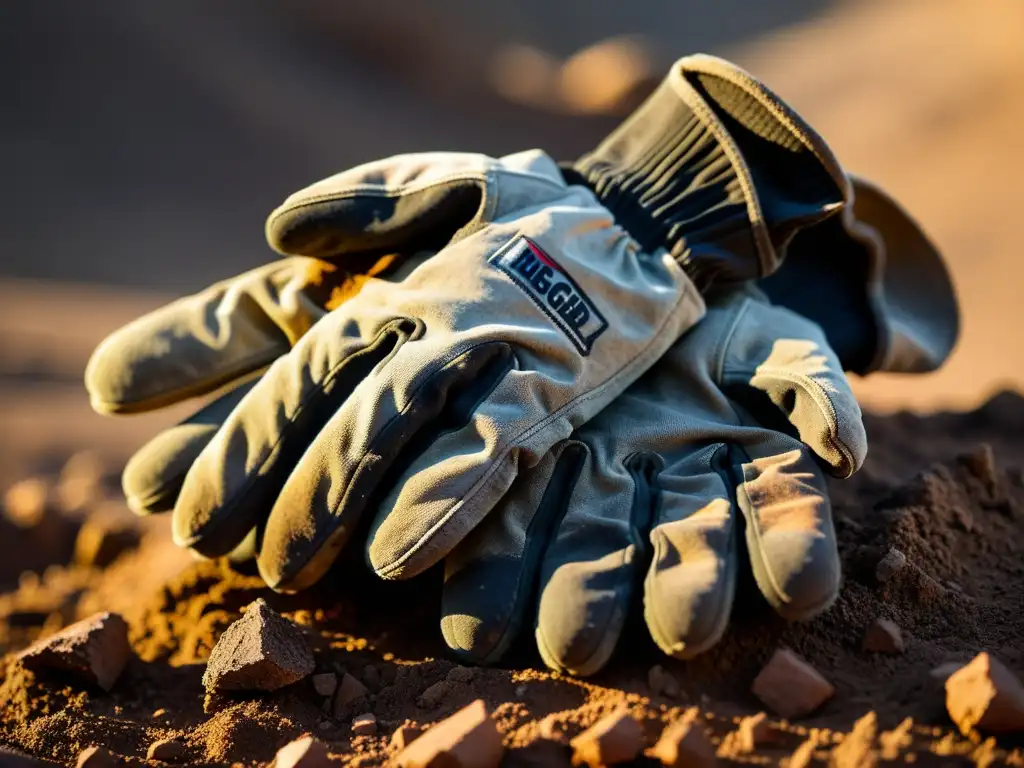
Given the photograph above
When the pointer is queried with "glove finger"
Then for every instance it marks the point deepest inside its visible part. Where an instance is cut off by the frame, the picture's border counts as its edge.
(491, 577)
(153, 476)
(691, 581)
(365, 449)
(789, 533)
(592, 568)
(233, 484)
(197, 344)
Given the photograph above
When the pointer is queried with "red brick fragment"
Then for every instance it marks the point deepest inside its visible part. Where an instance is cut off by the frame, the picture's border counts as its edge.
(987, 696)
(95, 649)
(467, 739)
(615, 738)
(790, 686)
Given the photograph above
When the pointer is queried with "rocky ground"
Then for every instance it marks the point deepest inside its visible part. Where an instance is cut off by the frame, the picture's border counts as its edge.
(932, 535)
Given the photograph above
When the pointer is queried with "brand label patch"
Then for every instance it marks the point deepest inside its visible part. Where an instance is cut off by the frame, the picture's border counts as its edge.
(551, 289)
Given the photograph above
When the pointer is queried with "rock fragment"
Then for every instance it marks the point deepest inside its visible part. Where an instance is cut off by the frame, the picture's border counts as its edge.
(857, 749)
(467, 739)
(662, 682)
(615, 738)
(98, 757)
(685, 744)
(892, 563)
(364, 724)
(167, 750)
(304, 752)
(985, 695)
(403, 736)
(435, 694)
(791, 687)
(325, 684)
(883, 636)
(95, 649)
(261, 651)
(371, 677)
(350, 691)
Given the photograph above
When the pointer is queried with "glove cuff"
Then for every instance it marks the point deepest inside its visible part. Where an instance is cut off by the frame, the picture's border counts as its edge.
(717, 170)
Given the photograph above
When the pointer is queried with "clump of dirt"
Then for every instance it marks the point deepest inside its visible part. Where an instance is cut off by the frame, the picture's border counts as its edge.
(940, 501)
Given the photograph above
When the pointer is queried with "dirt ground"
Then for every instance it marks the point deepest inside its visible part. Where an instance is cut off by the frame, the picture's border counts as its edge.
(924, 96)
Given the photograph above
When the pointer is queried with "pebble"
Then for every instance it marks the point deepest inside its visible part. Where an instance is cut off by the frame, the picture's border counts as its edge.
(95, 649)
(365, 724)
(467, 739)
(325, 684)
(791, 687)
(661, 682)
(685, 744)
(435, 694)
(167, 750)
(371, 677)
(893, 562)
(350, 690)
(987, 696)
(883, 636)
(261, 651)
(615, 738)
(403, 736)
(305, 752)
(97, 757)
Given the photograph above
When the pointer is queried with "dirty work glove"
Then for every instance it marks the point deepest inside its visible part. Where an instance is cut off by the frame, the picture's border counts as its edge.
(715, 460)
(421, 401)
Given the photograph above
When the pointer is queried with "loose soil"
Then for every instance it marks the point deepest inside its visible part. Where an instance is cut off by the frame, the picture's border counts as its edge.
(946, 490)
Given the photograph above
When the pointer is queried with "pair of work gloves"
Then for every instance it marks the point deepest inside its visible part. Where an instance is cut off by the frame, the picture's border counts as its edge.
(576, 386)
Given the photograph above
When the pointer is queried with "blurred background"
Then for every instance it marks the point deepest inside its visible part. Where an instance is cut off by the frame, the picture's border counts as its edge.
(142, 144)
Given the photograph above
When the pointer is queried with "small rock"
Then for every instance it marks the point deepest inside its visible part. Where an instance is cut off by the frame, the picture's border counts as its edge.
(325, 684)
(467, 739)
(661, 682)
(754, 731)
(883, 636)
(892, 563)
(857, 749)
(305, 752)
(790, 686)
(261, 651)
(460, 675)
(435, 694)
(95, 649)
(350, 690)
(371, 677)
(685, 744)
(167, 750)
(615, 738)
(26, 502)
(98, 757)
(403, 736)
(981, 462)
(102, 539)
(365, 724)
(159, 713)
(987, 696)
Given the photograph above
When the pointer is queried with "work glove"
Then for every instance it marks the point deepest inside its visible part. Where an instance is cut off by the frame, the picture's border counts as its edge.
(715, 460)
(420, 401)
